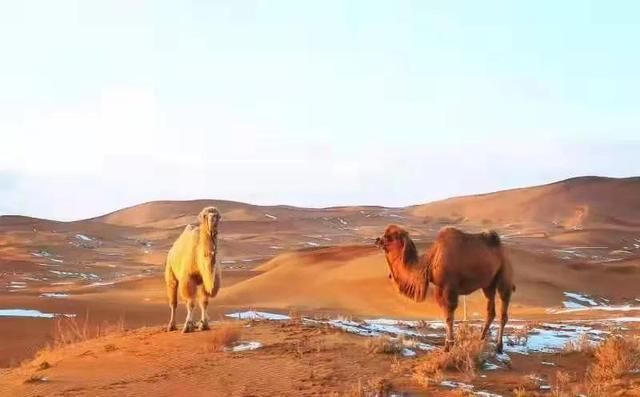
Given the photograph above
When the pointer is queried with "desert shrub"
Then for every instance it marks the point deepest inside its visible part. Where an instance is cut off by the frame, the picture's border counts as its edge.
(465, 356)
(384, 344)
(614, 358)
(580, 345)
(223, 335)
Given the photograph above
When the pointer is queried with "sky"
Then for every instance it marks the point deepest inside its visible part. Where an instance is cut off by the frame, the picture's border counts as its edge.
(106, 104)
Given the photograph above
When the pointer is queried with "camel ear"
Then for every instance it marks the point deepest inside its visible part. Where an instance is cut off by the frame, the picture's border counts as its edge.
(410, 253)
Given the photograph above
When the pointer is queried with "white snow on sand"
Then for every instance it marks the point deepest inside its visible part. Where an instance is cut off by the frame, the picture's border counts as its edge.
(580, 297)
(622, 308)
(53, 295)
(271, 216)
(83, 237)
(407, 352)
(30, 313)
(246, 346)
(551, 338)
(456, 385)
(486, 394)
(254, 315)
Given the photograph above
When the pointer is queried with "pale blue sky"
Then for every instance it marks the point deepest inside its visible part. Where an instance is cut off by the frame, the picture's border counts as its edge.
(111, 103)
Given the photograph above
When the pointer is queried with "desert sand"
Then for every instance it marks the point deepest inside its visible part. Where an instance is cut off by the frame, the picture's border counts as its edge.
(575, 246)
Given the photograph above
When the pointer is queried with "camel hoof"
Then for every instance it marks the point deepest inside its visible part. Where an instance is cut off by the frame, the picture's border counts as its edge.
(203, 326)
(188, 327)
(171, 327)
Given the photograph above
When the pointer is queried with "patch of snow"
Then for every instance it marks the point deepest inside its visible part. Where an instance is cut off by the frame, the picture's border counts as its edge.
(56, 260)
(53, 295)
(312, 244)
(456, 385)
(227, 261)
(581, 298)
(503, 358)
(83, 237)
(487, 366)
(246, 346)
(102, 283)
(343, 221)
(271, 216)
(275, 247)
(623, 308)
(486, 394)
(550, 338)
(254, 315)
(547, 363)
(407, 352)
(572, 305)
(353, 327)
(545, 387)
(417, 345)
(389, 326)
(84, 276)
(30, 313)
(622, 319)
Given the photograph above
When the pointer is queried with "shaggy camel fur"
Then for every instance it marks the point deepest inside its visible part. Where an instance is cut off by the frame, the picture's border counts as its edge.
(190, 266)
(457, 263)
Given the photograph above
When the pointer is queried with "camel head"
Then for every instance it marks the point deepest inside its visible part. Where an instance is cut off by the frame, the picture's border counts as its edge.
(405, 268)
(209, 218)
(396, 243)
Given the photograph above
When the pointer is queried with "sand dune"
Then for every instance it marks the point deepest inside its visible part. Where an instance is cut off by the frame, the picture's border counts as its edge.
(573, 203)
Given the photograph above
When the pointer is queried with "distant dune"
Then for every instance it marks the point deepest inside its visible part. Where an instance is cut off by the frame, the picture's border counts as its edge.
(572, 203)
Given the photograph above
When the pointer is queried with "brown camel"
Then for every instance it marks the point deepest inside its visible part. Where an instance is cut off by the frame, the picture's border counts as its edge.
(190, 266)
(457, 263)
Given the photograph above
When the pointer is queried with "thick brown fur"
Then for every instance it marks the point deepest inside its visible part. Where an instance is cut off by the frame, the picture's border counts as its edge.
(191, 268)
(457, 263)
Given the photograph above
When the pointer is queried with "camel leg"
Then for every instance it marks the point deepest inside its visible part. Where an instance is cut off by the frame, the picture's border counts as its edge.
(505, 298)
(203, 300)
(490, 294)
(172, 293)
(450, 300)
(188, 292)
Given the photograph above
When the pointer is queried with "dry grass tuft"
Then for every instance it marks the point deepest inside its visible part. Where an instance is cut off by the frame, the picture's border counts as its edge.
(519, 336)
(466, 356)
(295, 318)
(384, 344)
(614, 358)
(561, 384)
(223, 335)
(68, 330)
(580, 345)
(376, 387)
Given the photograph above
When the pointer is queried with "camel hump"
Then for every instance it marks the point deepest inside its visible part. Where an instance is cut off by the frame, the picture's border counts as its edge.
(492, 238)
